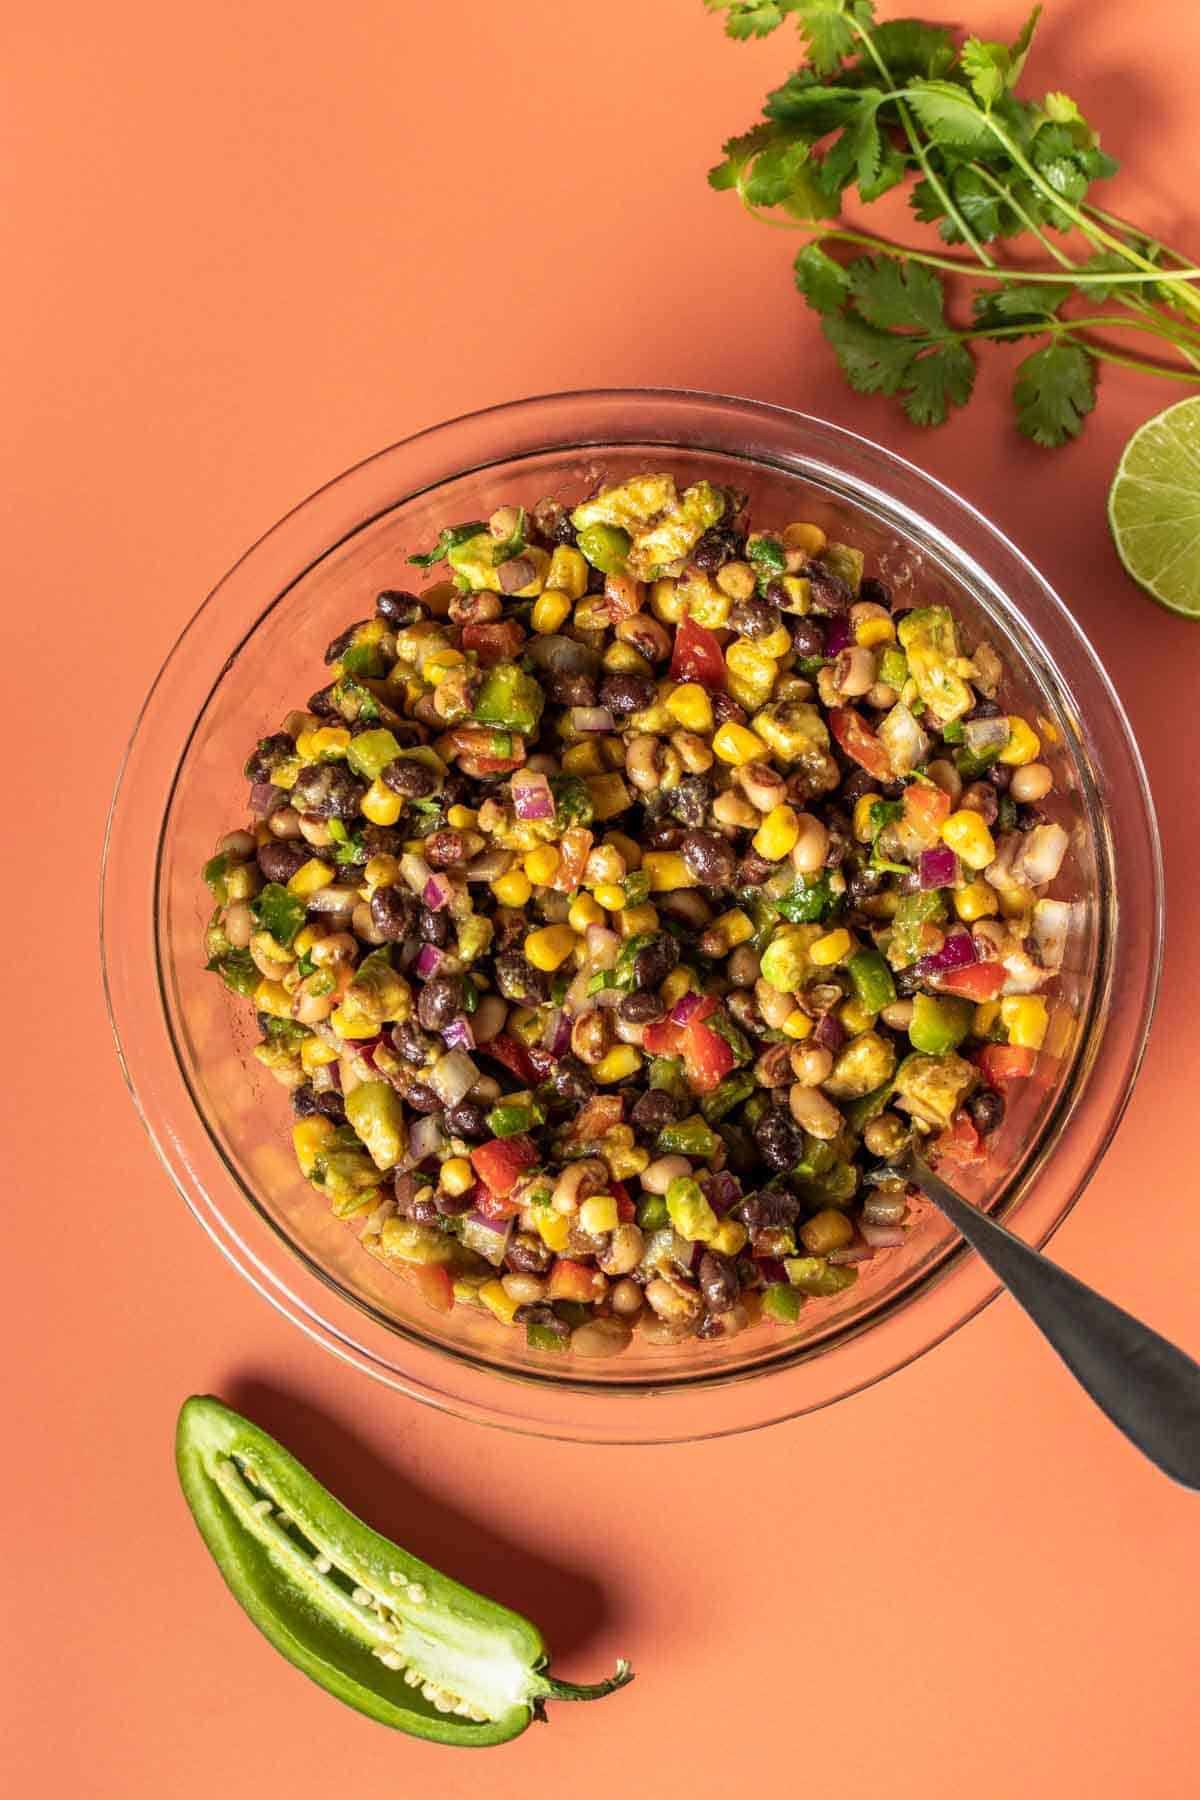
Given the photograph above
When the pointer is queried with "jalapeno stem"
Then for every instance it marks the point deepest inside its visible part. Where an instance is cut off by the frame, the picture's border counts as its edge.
(550, 1688)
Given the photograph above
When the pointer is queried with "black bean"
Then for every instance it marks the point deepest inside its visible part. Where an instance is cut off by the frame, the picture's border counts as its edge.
(424, 1212)
(323, 704)
(984, 709)
(339, 645)
(654, 1110)
(452, 1206)
(1000, 775)
(641, 1009)
(543, 1316)
(442, 849)
(405, 776)
(412, 1044)
(398, 606)
(753, 870)
(863, 883)
(741, 1154)
(985, 1110)
(572, 1080)
(433, 927)
(771, 1209)
(709, 857)
(405, 1189)
(779, 1138)
(440, 1000)
(328, 791)
(808, 637)
(527, 1254)
(518, 980)
(1029, 817)
(828, 593)
(467, 1120)
(267, 754)
(509, 929)
(626, 693)
(719, 545)
(871, 588)
(718, 1282)
(981, 797)
(856, 784)
(570, 688)
(726, 711)
(654, 961)
(662, 836)
(331, 1106)
(690, 799)
(393, 913)
(279, 860)
(421, 1097)
(304, 1101)
(908, 981)
(754, 618)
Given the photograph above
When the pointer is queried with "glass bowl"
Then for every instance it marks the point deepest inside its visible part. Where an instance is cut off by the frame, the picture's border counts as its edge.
(253, 651)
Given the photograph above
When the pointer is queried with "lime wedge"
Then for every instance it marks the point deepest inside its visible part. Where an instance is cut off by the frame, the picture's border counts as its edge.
(1154, 507)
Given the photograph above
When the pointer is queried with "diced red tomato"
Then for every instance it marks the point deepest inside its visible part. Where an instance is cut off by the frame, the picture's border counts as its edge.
(432, 1281)
(981, 981)
(960, 1143)
(513, 1056)
(926, 808)
(623, 597)
(1002, 1064)
(574, 848)
(707, 1058)
(859, 742)
(662, 1039)
(493, 1206)
(573, 1281)
(500, 1162)
(626, 1210)
(496, 641)
(474, 750)
(543, 1063)
(697, 655)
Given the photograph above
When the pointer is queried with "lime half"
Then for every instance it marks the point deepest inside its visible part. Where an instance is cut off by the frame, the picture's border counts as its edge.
(1154, 507)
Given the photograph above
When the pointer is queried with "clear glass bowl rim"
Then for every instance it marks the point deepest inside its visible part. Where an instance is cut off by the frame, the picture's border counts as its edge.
(960, 1286)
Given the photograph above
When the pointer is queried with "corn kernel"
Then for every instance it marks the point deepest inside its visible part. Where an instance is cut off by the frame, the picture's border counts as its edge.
(734, 744)
(554, 1228)
(831, 948)
(855, 1016)
(513, 888)
(623, 659)
(966, 834)
(798, 590)
(381, 871)
(623, 1163)
(591, 614)
(585, 911)
(550, 947)
(864, 827)
(612, 751)
(729, 1238)
(975, 901)
(551, 611)
(690, 704)
(984, 1017)
(308, 1135)
(733, 928)
(498, 1302)
(625, 846)
(457, 1176)
(315, 1054)
(636, 919)
(541, 865)
(809, 538)
(666, 871)
(797, 1025)
(1025, 1018)
(583, 759)
(621, 1061)
(569, 571)
(751, 662)
(352, 1027)
(605, 865)
(439, 665)
(777, 643)
(1016, 902)
(380, 805)
(777, 834)
(871, 632)
(526, 1024)
(310, 877)
(273, 998)
(599, 1214)
(306, 938)
(666, 602)
(462, 818)
(610, 897)
(608, 794)
(1023, 746)
(677, 984)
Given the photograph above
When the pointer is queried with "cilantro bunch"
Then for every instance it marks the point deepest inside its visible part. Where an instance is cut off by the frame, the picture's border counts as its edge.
(878, 105)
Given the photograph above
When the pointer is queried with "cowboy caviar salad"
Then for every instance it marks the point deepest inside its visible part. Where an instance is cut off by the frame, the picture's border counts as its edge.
(622, 904)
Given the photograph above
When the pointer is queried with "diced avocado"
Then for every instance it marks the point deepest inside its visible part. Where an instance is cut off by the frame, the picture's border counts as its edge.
(932, 1088)
(663, 524)
(846, 562)
(785, 961)
(794, 729)
(375, 1111)
(376, 993)
(510, 699)
(928, 637)
(371, 751)
(474, 936)
(813, 1275)
(404, 1240)
(473, 559)
(867, 1061)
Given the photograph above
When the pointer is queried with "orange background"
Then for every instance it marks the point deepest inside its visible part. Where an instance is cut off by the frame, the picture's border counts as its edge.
(247, 245)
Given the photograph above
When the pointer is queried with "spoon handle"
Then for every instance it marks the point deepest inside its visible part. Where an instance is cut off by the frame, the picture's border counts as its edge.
(1148, 1388)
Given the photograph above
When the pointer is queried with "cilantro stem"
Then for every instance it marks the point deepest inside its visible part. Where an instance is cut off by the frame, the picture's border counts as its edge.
(1030, 224)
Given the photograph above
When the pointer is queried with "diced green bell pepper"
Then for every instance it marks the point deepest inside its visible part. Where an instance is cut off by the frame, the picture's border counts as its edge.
(372, 751)
(732, 1091)
(689, 1211)
(507, 1121)
(690, 1137)
(541, 1337)
(939, 1025)
(652, 1212)
(809, 901)
(813, 1275)
(667, 1077)
(893, 667)
(510, 699)
(606, 547)
(871, 979)
(782, 1303)
(913, 911)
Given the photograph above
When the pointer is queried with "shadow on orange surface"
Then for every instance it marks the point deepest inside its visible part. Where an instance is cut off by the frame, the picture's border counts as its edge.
(567, 1604)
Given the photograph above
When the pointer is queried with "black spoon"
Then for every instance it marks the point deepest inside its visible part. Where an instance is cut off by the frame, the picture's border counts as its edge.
(1149, 1388)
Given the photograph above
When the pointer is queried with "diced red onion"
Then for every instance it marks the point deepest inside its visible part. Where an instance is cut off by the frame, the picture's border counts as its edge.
(457, 1035)
(1040, 856)
(425, 1138)
(883, 1237)
(837, 634)
(984, 734)
(684, 1007)
(415, 870)
(429, 959)
(453, 1075)
(266, 798)
(851, 1253)
(603, 947)
(884, 1209)
(531, 795)
(1051, 928)
(957, 952)
(591, 718)
(366, 1048)
(937, 868)
(556, 1029)
(436, 892)
(907, 745)
(829, 1032)
(771, 1268)
(722, 1191)
(487, 1237)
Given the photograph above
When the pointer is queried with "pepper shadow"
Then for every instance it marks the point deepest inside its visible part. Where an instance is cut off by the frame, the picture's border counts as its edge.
(567, 1604)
